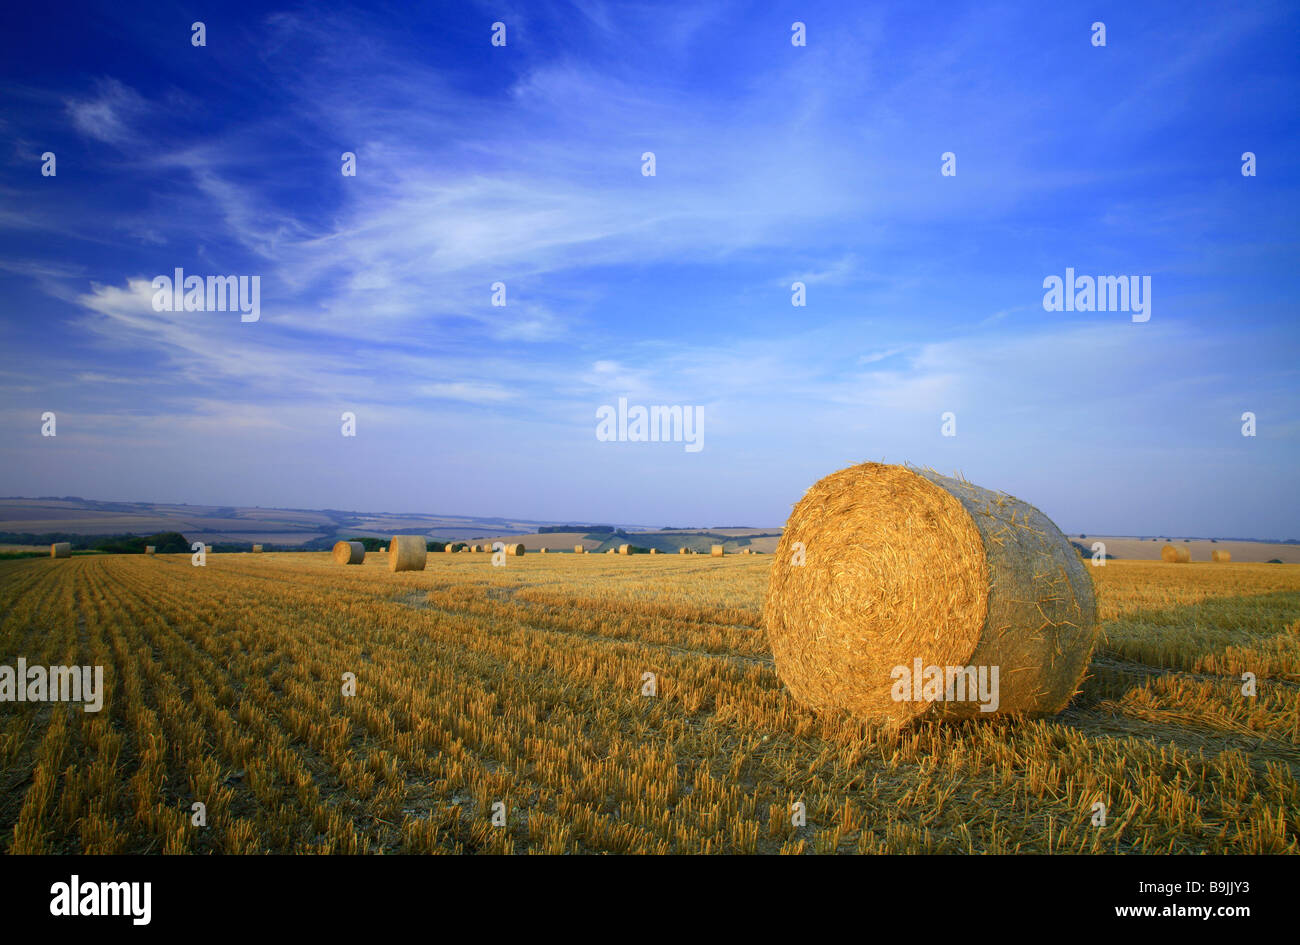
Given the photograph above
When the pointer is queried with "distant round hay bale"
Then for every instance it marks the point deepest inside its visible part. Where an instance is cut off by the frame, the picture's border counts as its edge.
(515, 550)
(716, 551)
(447, 548)
(610, 551)
(901, 572)
(746, 551)
(151, 549)
(1176, 554)
(579, 550)
(654, 551)
(1223, 557)
(407, 553)
(349, 552)
(625, 549)
(257, 549)
(683, 550)
(541, 550)
(61, 549)
(207, 549)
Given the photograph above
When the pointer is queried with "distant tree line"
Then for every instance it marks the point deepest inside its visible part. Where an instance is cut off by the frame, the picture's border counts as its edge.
(163, 542)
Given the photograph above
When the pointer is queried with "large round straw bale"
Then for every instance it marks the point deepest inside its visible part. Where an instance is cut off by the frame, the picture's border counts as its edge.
(61, 549)
(898, 570)
(349, 552)
(447, 548)
(207, 549)
(1220, 556)
(257, 549)
(716, 551)
(579, 550)
(1179, 554)
(654, 551)
(515, 550)
(683, 550)
(407, 553)
(625, 549)
(151, 549)
(541, 550)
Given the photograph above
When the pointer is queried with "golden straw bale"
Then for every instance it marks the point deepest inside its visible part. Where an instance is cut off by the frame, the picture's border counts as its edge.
(61, 549)
(349, 552)
(901, 570)
(1220, 556)
(407, 553)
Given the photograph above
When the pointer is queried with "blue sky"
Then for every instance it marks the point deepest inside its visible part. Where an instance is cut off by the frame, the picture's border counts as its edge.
(522, 164)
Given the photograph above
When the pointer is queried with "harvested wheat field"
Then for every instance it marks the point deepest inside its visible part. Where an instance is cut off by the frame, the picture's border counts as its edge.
(522, 685)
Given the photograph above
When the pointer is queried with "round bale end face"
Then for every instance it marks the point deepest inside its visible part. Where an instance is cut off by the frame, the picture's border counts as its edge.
(407, 553)
(349, 552)
(902, 568)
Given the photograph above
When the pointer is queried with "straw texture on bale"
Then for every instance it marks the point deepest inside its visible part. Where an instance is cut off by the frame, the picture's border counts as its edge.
(257, 549)
(514, 551)
(900, 565)
(625, 549)
(407, 553)
(579, 550)
(349, 552)
(541, 550)
(716, 551)
(683, 551)
(61, 549)
(150, 549)
(447, 549)
(1176, 554)
(654, 551)
(1220, 556)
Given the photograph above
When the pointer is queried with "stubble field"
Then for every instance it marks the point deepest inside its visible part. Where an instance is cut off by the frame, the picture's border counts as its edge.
(522, 686)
